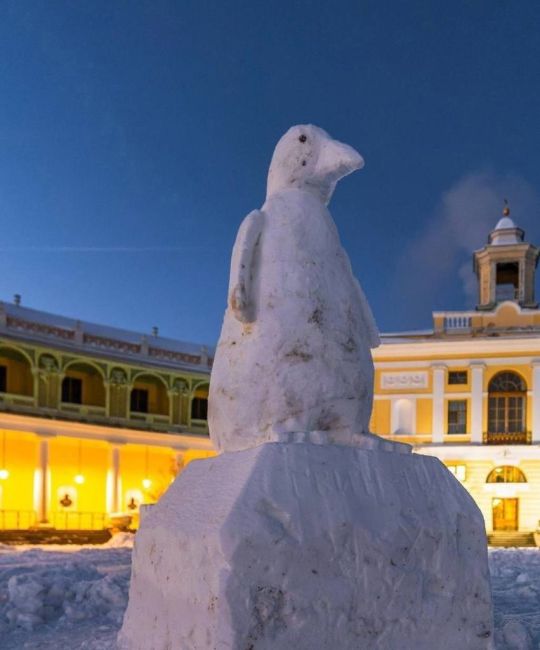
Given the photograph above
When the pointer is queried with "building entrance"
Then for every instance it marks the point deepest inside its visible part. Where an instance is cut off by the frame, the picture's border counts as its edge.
(505, 514)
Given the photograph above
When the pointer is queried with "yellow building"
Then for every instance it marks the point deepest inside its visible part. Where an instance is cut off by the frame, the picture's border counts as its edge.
(94, 421)
(468, 391)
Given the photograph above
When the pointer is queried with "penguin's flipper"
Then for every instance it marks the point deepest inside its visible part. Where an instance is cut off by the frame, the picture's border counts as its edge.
(241, 301)
(368, 319)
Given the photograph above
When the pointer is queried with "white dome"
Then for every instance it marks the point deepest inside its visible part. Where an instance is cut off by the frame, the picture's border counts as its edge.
(506, 232)
(504, 223)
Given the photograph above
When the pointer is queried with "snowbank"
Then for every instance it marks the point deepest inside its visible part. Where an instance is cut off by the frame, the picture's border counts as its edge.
(515, 581)
(65, 597)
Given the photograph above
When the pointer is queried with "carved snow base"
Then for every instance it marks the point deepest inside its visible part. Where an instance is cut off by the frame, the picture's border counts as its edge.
(308, 547)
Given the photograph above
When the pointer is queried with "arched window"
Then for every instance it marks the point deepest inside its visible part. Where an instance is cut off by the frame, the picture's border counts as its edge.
(83, 384)
(506, 404)
(506, 474)
(149, 395)
(507, 382)
(15, 373)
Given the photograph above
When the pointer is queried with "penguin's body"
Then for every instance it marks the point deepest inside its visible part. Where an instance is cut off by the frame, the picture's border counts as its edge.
(294, 352)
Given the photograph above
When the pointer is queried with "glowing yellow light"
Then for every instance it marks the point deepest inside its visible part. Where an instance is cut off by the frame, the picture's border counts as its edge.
(146, 482)
(79, 479)
(4, 474)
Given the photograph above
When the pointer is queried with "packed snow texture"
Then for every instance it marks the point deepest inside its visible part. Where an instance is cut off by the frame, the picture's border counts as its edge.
(294, 351)
(311, 546)
(515, 578)
(63, 597)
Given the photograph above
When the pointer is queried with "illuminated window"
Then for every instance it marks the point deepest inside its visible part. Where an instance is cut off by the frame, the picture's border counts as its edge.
(139, 400)
(199, 408)
(506, 474)
(3, 379)
(457, 377)
(459, 471)
(72, 390)
(457, 416)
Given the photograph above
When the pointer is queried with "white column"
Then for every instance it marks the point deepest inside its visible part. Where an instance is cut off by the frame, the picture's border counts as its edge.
(438, 379)
(113, 480)
(42, 481)
(477, 401)
(536, 401)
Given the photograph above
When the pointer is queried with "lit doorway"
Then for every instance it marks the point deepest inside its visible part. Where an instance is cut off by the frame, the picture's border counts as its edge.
(505, 514)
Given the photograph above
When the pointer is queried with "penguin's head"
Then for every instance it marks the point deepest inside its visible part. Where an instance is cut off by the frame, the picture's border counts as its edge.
(307, 158)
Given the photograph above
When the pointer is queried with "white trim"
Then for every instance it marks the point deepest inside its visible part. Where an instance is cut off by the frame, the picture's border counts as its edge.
(498, 454)
(536, 401)
(438, 421)
(426, 394)
(477, 401)
(473, 346)
(456, 363)
(41, 426)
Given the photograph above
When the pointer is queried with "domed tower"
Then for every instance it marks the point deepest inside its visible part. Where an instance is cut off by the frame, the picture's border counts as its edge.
(506, 266)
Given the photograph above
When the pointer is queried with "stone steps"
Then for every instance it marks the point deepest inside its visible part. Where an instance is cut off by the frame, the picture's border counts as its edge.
(511, 539)
(51, 536)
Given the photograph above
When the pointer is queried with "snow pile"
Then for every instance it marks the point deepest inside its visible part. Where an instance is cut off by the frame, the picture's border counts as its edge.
(77, 595)
(515, 578)
(120, 540)
(72, 591)
(515, 582)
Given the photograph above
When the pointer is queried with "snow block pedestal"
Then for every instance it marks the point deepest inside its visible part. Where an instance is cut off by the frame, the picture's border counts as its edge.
(307, 547)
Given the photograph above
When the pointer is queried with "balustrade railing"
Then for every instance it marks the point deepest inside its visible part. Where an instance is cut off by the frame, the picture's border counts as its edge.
(457, 322)
(507, 438)
(13, 399)
(83, 410)
(17, 519)
(77, 520)
(149, 418)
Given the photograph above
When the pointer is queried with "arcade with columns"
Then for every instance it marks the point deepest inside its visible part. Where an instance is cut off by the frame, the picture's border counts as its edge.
(94, 421)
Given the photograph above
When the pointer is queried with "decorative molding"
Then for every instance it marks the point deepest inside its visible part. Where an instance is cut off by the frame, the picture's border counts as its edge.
(39, 328)
(403, 380)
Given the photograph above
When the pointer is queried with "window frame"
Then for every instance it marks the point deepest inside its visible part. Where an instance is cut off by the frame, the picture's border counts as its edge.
(461, 422)
(137, 396)
(453, 374)
(70, 395)
(455, 469)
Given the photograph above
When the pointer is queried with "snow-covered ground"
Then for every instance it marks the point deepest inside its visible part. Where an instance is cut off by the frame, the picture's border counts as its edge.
(63, 597)
(73, 598)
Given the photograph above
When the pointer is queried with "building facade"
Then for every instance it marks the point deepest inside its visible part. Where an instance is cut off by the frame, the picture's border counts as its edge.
(94, 421)
(468, 391)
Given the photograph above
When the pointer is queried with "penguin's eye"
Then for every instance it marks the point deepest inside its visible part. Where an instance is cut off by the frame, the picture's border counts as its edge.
(302, 138)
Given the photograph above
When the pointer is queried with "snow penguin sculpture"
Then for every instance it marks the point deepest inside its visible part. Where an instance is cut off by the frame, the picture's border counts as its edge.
(294, 353)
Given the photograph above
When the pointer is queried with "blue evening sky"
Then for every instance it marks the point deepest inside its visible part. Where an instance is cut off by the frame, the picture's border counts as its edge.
(136, 135)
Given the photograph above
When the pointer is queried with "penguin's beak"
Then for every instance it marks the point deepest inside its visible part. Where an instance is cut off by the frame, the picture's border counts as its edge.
(336, 160)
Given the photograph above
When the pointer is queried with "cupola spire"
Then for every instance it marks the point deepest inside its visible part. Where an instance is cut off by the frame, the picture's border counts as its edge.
(506, 266)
